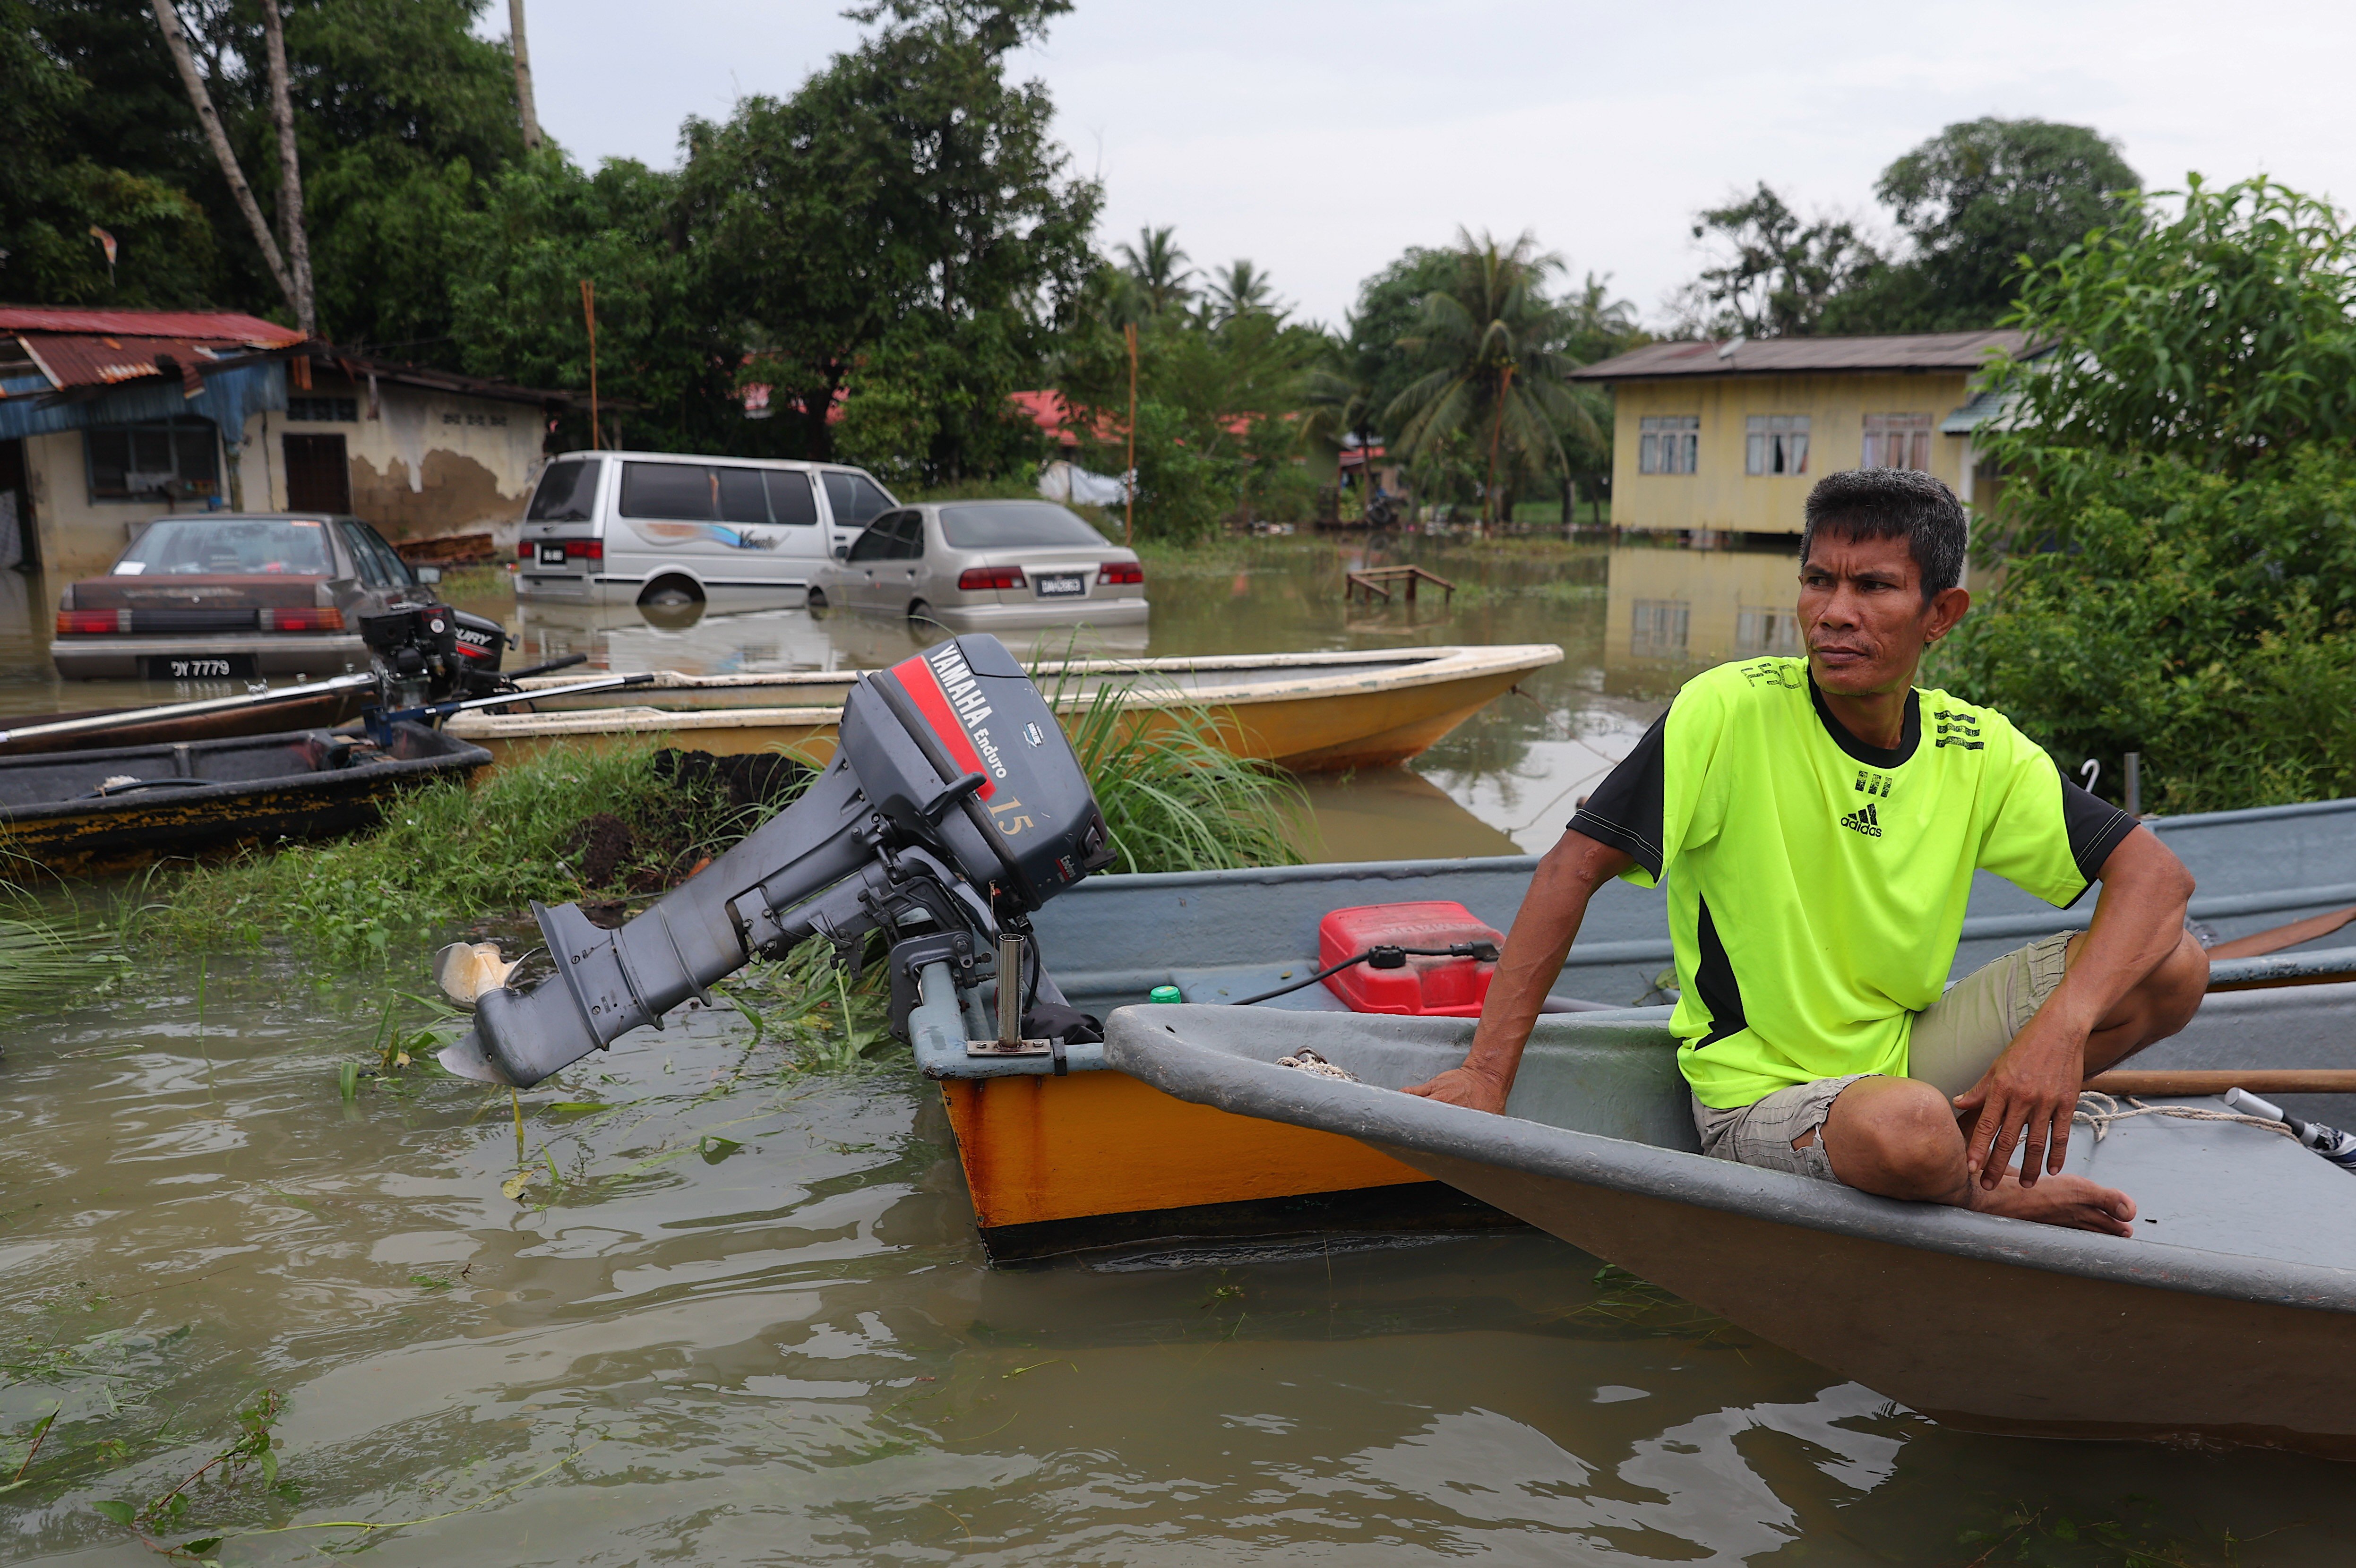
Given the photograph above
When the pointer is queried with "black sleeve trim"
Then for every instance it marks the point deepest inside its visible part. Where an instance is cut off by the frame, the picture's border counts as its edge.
(1626, 809)
(2097, 828)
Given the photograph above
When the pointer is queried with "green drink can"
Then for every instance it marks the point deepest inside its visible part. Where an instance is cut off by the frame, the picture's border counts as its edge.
(1164, 994)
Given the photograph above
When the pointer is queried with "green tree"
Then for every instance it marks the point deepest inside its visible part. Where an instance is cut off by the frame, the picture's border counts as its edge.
(2178, 522)
(543, 226)
(1242, 289)
(2205, 620)
(1498, 371)
(399, 110)
(905, 217)
(88, 101)
(1773, 274)
(1218, 425)
(1596, 327)
(1158, 270)
(1977, 202)
(2223, 334)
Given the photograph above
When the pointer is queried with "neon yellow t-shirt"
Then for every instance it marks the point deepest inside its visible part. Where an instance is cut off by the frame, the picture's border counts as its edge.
(1815, 884)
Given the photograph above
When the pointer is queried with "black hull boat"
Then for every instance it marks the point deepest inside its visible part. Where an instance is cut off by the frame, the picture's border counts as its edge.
(81, 811)
(2229, 1317)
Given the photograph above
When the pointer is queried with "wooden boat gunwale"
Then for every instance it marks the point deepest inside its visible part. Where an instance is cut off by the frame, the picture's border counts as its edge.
(1442, 662)
(1194, 1053)
(235, 717)
(1438, 687)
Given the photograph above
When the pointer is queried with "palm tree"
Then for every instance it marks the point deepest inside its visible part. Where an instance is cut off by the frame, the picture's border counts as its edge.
(1242, 289)
(1494, 344)
(1159, 269)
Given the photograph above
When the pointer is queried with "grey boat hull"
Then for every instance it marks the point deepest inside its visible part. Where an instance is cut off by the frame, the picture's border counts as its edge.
(2229, 1318)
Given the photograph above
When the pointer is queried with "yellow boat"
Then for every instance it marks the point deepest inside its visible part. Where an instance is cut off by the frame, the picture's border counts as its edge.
(1309, 712)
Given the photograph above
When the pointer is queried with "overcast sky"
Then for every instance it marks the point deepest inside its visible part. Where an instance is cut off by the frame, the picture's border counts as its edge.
(1320, 139)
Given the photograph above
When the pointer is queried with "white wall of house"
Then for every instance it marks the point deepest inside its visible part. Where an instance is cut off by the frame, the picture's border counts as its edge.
(427, 464)
(423, 463)
(79, 537)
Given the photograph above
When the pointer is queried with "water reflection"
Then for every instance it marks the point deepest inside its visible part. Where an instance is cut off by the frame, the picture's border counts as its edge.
(1633, 621)
(1675, 611)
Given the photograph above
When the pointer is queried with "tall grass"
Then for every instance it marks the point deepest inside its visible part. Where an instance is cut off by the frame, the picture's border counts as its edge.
(446, 853)
(1175, 796)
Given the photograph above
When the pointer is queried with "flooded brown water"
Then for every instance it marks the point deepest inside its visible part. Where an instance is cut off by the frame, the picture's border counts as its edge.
(735, 1313)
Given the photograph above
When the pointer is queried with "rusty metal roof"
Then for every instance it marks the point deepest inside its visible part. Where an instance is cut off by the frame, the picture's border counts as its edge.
(229, 327)
(1805, 355)
(104, 361)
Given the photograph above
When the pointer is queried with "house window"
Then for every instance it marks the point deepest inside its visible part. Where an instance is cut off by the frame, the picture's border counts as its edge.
(323, 410)
(1668, 443)
(1657, 628)
(1762, 630)
(168, 460)
(1898, 441)
(1778, 444)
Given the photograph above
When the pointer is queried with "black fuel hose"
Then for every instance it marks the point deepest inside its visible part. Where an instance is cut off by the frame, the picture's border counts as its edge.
(1382, 957)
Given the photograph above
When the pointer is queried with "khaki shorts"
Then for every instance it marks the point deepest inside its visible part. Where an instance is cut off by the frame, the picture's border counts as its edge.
(1954, 1042)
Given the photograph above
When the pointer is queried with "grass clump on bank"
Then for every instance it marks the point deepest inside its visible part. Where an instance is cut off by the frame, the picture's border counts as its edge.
(577, 824)
(446, 853)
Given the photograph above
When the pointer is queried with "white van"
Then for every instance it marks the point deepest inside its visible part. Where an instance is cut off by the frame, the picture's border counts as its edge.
(657, 527)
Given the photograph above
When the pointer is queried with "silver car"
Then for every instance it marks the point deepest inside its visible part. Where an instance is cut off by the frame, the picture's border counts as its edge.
(979, 566)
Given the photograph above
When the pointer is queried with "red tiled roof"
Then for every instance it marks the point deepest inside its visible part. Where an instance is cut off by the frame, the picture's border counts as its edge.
(1051, 413)
(226, 324)
(1802, 356)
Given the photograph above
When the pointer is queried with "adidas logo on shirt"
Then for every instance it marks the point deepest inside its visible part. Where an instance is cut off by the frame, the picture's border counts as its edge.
(1866, 821)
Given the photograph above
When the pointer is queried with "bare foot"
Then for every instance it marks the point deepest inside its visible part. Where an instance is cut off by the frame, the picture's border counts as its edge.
(2076, 1202)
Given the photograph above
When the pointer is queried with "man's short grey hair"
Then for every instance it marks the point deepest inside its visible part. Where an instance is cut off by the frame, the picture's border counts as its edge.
(1889, 503)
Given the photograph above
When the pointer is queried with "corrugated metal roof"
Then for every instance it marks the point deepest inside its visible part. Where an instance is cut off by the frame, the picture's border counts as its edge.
(226, 324)
(76, 360)
(1800, 355)
(1986, 405)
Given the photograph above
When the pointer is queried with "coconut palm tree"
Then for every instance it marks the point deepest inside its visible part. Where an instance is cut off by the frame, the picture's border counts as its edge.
(1159, 269)
(1494, 342)
(1242, 289)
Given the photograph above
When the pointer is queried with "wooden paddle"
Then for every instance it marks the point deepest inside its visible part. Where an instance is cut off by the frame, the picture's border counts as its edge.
(2283, 936)
(2166, 1081)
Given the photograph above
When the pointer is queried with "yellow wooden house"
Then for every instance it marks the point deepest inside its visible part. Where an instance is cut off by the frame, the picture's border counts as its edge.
(1713, 438)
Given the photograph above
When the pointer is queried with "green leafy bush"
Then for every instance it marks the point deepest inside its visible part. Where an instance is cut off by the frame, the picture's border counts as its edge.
(2206, 620)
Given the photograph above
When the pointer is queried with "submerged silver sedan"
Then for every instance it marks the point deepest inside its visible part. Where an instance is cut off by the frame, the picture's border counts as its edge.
(978, 565)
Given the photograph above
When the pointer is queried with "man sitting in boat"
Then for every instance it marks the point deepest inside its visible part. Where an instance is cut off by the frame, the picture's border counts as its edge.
(1816, 823)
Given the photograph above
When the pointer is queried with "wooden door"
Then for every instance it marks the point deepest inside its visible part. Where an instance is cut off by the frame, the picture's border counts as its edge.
(318, 475)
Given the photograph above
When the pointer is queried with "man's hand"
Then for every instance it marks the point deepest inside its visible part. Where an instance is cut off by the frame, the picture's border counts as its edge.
(1466, 1086)
(2027, 1096)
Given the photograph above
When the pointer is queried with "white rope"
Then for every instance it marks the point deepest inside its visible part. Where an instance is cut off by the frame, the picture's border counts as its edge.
(2101, 1117)
(1310, 1062)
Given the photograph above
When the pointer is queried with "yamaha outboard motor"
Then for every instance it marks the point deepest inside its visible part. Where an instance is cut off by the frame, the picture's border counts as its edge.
(953, 808)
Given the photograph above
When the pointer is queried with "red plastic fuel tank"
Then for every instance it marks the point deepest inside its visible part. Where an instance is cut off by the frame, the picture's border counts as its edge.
(1426, 986)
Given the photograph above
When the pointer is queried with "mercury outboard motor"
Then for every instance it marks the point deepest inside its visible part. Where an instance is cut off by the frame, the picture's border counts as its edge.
(430, 652)
(954, 807)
